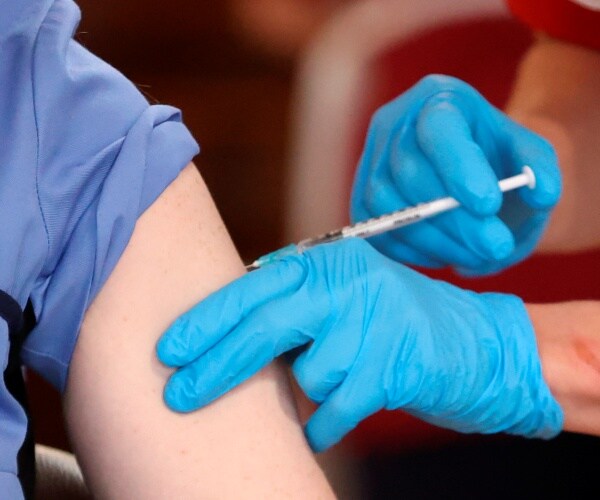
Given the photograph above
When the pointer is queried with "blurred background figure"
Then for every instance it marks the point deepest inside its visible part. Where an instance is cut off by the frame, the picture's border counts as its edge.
(280, 28)
(279, 94)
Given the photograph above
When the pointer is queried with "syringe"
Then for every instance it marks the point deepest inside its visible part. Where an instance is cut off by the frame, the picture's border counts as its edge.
(388, 222)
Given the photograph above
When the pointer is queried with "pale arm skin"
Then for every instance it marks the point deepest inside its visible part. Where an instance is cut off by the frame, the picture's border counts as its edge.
(248, 444)
(568, 338)
(557, 94)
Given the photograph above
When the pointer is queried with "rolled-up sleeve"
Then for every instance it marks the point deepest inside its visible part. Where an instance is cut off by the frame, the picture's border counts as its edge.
(10, 486)
(103, 156)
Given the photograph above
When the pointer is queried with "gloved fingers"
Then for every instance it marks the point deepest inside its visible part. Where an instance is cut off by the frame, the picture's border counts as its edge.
(341, 412)
(457, 237)
(436, 245)
(270, 331)
(393, 246)
(527, 226)
(530, 231)
(527, 234)
(534, 151)
(425, 237)
(403, 171)
(317, 381)
(486, 237)
(424, 246)
(444, 135)
(449, 239)
(389, 245)
(395, 249)
(207, 378)
(378, 197)
(197, 330)
(372, 164)
(325, 364)
(413, 174)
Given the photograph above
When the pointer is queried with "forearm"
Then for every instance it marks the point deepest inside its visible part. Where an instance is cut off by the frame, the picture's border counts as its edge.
(557, 94)
(249, 444)
(568, 336)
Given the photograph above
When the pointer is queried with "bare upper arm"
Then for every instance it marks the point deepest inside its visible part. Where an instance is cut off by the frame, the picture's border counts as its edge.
(129, 444)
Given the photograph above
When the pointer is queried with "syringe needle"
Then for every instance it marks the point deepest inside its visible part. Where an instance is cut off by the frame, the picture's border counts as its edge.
(389, 222)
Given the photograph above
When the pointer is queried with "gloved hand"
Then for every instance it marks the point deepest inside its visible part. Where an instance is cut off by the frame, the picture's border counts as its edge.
(379, 335)
(442, 138)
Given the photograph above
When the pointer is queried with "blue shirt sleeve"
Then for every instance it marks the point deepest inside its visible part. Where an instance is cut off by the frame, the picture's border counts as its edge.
(10, 486)
(82, 155)
(93, 156)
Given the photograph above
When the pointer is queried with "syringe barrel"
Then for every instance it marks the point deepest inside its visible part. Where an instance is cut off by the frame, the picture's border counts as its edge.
(391, 221)
(302, 245)
(399, 218)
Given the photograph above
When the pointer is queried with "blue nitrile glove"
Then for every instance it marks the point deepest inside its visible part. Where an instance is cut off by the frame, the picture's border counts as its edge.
(379, 335)
(442, 138)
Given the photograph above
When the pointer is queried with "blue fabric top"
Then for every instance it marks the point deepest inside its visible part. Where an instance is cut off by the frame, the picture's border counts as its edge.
(82, 155)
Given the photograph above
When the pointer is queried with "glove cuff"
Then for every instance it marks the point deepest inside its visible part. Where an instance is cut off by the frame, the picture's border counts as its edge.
(535, 411)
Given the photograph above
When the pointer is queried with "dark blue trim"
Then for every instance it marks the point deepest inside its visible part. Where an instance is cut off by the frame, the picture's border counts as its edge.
(11, 312)
(20, 323)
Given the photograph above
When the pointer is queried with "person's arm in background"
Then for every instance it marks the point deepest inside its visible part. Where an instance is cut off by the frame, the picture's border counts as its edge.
(569, 348)
(557, 94)
(130, 445)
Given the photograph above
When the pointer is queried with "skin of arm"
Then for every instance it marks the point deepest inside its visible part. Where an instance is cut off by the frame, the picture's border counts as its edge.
(569, 348)
(248, 444)
(557, 94)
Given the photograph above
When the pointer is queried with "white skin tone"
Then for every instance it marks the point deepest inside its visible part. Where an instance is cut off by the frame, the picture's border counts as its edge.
(280, 27)
(129, 444)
